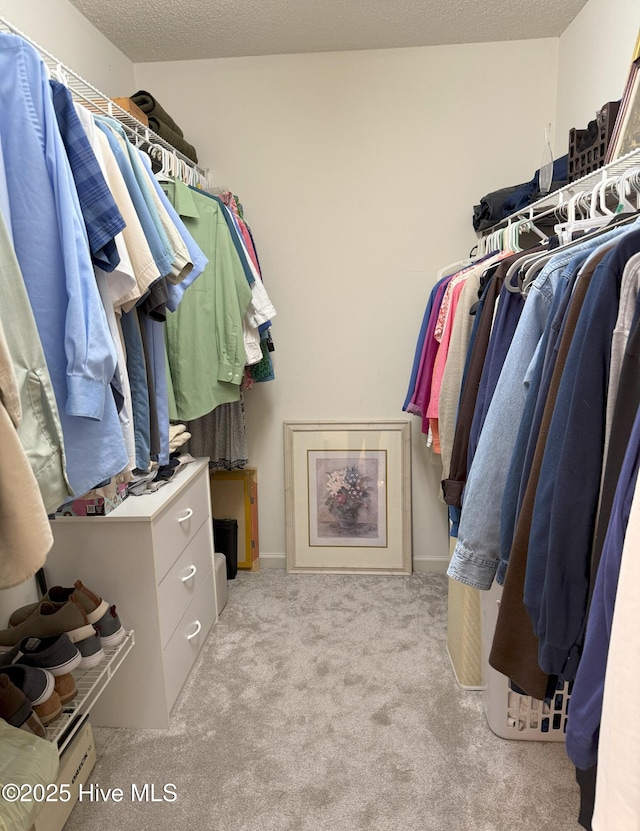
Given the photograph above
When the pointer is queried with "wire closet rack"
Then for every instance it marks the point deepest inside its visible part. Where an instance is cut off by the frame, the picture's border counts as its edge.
(97, 102)
(550, 204)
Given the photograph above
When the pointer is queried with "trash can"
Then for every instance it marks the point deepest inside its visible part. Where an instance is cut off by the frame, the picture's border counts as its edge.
(225, 540)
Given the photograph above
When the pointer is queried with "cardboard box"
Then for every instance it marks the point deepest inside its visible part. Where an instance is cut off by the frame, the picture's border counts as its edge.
(76, 763)
(234, 495)
(133, 109)
(99, 502)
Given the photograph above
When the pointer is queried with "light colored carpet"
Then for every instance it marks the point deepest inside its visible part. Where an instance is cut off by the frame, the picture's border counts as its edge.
(327, 702)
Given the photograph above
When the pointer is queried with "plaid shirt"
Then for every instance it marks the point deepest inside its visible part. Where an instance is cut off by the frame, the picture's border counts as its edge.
(102, 218)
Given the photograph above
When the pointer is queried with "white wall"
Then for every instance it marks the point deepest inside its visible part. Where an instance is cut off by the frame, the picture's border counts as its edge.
(595, 53)
(358, 172)
(59, 27)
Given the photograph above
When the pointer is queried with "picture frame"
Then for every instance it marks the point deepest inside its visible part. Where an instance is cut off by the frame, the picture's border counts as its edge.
(348, 497)
(626, 131)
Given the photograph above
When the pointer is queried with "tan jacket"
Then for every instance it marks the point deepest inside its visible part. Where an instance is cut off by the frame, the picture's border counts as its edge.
(25, 533)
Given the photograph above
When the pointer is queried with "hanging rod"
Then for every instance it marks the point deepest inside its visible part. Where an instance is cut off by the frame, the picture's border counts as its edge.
(99, 103)
(547, 204)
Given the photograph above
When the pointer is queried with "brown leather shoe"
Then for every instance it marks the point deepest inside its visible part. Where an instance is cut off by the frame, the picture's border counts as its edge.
(39, 687)
(16, 709)
(49, 709)
(66, 687)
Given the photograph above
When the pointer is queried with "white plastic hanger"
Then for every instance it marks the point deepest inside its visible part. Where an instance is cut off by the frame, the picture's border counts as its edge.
(624, 187)
(452, 267)
(599, 215)
(511, 236)
(565, 230)
(60, 76)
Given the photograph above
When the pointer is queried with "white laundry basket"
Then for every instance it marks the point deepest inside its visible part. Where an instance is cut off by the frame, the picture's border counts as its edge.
(511, 713)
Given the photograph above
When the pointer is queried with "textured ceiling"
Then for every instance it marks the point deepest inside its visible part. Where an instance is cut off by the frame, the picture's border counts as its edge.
(165, 30)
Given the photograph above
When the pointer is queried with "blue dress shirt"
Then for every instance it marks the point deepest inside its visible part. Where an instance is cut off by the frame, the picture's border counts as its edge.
(51, 247)
(102, 218)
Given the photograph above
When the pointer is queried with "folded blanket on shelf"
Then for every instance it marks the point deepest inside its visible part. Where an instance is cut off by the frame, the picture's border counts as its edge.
(150, 106)
(173, 138)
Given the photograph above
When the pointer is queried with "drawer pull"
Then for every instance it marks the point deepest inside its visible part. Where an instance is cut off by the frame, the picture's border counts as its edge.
(188, 515)
(190, 574)
(196, 633)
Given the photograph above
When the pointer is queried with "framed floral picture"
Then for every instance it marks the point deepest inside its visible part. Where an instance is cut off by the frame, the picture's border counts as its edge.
(625, 136)
(347, 497)
(626, 131)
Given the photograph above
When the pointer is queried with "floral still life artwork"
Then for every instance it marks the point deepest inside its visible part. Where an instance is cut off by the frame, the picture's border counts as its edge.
(348, 499)
(348, 496)
(347, 493)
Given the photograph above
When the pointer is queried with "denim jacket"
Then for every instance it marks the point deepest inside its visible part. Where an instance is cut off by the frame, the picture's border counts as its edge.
(477, 553)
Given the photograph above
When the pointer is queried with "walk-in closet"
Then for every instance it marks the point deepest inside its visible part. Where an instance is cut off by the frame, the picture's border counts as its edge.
(319, 414)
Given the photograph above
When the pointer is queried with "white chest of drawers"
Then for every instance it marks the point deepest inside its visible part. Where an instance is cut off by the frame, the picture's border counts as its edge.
(153, 557)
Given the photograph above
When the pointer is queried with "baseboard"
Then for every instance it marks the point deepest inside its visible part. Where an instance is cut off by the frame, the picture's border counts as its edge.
(431, 565)
(425, 565)
(273, 561)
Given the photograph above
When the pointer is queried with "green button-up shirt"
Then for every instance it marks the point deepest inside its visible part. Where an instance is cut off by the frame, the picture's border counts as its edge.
(205, 344)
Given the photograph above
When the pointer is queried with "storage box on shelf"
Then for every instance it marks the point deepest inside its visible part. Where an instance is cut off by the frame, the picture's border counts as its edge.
(76, 763)
(583, 160)
(133, 109)
(234, 495)
(98, 502)
(153, 557)
(71, 736)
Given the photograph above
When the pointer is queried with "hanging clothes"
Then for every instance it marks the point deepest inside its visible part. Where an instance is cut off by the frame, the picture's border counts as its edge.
(85, 347)
(451, 380)
(515, 644)
(617, 803)
(204, 336)
(586, 699)
(455, 478)
(555, 589)
(25, 537)
(58, 272)
(476, 557)
(221, 436)
(418, 396)
(39, 427)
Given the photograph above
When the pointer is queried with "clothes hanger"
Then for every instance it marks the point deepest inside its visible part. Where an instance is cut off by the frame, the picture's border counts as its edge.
(531, 228)
(521, 264)
(599, 214)
(565, 230)
(452, 268)
(593, 234)
(164, 174)
(59, 75)
(625, 184)
(529, 265)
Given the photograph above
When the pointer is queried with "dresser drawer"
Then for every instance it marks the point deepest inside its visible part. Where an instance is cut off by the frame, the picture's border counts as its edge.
(181, 584)
(175, 528)
(187, 640)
